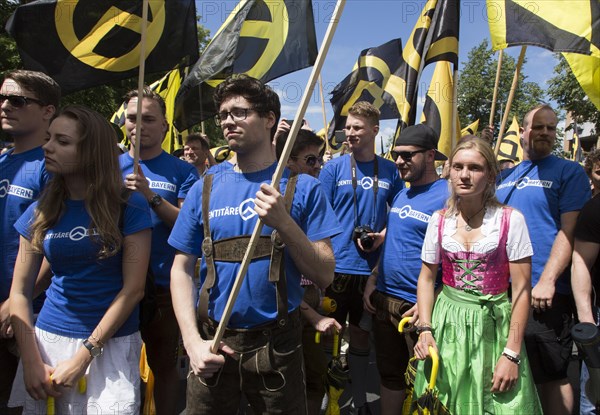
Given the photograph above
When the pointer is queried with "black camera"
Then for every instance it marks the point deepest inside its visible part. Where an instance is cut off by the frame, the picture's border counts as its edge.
(362, 233)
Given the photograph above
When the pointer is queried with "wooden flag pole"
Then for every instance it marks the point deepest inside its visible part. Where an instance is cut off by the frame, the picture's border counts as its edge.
(138, 118)
(324, 115)
(287, 149)
(511, 95)
(454, 137)
(496, 85)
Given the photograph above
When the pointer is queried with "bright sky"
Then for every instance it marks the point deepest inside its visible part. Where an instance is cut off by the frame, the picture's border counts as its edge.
(369, 23)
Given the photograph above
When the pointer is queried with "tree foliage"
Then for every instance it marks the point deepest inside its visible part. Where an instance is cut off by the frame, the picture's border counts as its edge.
(476, 88)
(566, 91)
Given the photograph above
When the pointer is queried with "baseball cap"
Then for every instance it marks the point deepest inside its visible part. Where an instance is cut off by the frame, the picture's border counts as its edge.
(420, 135)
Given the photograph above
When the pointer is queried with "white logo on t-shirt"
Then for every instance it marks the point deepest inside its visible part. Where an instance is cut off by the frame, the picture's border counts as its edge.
(407, 211)
(78, 233)
(155, 184)
(10, 189)
(247, 209)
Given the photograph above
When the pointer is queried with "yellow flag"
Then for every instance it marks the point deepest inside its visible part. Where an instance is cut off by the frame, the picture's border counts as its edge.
(437, 111)
(557, 25)
(587, 71)
(510, 146)
(470, 129)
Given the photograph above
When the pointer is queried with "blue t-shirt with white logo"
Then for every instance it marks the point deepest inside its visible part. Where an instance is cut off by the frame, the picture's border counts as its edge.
(400, 262)
(171, 178)
(336, 178)
(543, 190)
(22, 178)
(232, 214)
(83, 286)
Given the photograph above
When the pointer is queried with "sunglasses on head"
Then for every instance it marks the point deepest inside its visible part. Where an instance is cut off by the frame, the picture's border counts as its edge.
(18, 101)
(405, 155)
(311, 160)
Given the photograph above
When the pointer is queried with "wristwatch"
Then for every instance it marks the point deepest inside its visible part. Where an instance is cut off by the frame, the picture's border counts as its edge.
(155, 201)
(95, 351)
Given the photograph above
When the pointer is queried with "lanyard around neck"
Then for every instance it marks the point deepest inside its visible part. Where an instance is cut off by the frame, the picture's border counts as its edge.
(355, 185)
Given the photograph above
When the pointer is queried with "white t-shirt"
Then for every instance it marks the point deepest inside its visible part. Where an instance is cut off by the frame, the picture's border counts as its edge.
(518, 244)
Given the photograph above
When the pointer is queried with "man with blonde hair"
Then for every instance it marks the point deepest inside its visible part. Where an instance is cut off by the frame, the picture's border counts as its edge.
(360, 186)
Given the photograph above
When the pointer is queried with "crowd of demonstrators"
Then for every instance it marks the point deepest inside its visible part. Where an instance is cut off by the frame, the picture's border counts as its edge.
(391, 290)
(101, 230)
(96, 239)
(261, 348)
(196, 151)
(585, 271)
(28, 102)
(164, 181)
(550, 192)
(359, 186)
(305, 157)
(482, 247)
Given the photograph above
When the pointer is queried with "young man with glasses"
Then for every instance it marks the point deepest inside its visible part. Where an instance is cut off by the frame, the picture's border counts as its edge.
(164, 180)
(391, 291)
(360, 187)
(28, 102)
(260, 355)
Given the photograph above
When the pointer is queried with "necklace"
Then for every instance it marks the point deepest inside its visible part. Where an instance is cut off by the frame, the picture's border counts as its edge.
(468, 227)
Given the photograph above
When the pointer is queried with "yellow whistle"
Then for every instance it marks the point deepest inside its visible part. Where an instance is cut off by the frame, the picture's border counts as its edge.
(328, 305)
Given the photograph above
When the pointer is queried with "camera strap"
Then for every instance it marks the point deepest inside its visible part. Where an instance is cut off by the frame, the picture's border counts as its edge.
(355, 185)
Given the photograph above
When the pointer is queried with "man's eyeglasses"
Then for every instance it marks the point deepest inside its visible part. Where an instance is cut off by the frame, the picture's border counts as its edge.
(310, 160)
(406, 155)
(18, 101)
(237, 114)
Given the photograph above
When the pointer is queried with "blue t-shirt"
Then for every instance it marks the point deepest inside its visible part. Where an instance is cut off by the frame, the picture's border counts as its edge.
(336, 178)
(83, 286)
(543, 190)
(231, 213)
(171, 178)
(400, 262)
(22, 178)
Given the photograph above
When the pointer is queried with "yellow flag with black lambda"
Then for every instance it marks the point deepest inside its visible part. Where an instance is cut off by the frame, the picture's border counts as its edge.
(557, 25)
(510, 146)
(470, 129)
(167, 88)
(587, 72)
(263, 39)
(577, 152)
(437, 110)
(84, 43)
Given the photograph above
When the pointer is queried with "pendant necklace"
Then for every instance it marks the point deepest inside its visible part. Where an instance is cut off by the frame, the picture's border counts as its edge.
(468, 227)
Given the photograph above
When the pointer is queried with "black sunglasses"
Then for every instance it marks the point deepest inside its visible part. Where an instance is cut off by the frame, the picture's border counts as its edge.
(406, 155)
(310, 160)
(19, 101)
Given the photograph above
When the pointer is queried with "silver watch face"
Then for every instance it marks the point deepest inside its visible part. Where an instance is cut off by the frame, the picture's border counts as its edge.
(96, 351)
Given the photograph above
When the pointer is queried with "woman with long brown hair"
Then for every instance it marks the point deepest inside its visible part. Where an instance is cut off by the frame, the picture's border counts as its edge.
(96, 239)
(483, 247)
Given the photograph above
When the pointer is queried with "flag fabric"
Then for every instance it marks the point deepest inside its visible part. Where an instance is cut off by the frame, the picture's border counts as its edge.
(470, 129)
(87, 43)
(263, 39)
(167, 88)
(387, 75)
(437, 110)
(587, 72)
(577, 152)
(556, 25)
(510, 146)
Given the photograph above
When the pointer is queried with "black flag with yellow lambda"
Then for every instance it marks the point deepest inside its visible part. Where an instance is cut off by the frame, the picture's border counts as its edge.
(84, 43)
(557, 25)
(387, 76)
(263, 39)
(373, 79)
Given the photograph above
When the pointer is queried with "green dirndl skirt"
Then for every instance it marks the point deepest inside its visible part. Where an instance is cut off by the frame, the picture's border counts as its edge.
(471, 332)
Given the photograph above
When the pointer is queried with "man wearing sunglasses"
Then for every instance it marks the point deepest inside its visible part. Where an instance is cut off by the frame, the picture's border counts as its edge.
(360, 186)
(391, 291)
(28, 102)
